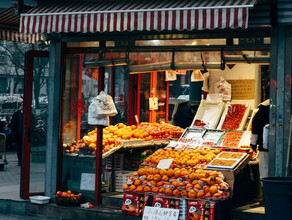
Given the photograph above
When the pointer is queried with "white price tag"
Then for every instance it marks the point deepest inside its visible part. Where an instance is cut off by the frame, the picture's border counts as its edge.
(154, 213)
(164, 164)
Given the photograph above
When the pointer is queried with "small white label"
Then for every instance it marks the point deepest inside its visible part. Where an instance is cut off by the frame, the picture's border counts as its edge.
(87, 181)
(155, 213)
(164, 164)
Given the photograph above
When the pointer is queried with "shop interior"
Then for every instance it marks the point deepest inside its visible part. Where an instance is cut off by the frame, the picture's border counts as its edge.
(136, 72)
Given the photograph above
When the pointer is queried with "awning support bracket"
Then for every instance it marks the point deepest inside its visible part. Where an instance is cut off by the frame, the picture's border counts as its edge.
(172, 65)
(222, 60)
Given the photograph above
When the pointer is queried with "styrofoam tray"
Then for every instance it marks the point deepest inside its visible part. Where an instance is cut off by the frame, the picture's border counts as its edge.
(212, 136)
(243, 120)
(39, 199)
(245, 139)
(209, 113)
(249, 126)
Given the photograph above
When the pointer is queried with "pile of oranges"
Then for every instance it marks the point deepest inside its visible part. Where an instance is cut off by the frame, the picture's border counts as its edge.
(115, 133)
(187, 158)
(179, 183)
(161, 130)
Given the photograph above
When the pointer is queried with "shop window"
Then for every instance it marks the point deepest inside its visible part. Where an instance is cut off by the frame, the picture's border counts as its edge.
(3, 85)
(185, 42)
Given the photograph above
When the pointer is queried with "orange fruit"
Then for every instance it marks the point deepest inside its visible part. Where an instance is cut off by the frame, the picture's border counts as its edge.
(156, 171)
(159, 184)
(148, 171)
(213, 190)
(161, 190)
(216, 195)
(141, 171)
(208, 195)
(211, 180)
(137, 182)
(198, 186)
(155, 189)
(125, 187)
(139, 189)
(175, 184)
(170, 173)
(163, 172)
(206, 189)
(147, 189)
(165, 178)
(177, 173)
(145, 182)
(132, 188)
(149, 177)
(157, 177)
(183, 193)
(153, 183)
(195, 182)
(214, 173)
(168, 192)
(192, 194)
(192, 176)
(176, 192)
(200, 194)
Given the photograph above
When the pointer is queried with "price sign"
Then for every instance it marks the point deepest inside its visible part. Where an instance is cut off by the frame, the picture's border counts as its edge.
(87, 181)
(154, 213)
(164, 164)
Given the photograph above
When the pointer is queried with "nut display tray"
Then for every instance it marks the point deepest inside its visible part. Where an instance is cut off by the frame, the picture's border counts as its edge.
(192, 135)
(226, 160)
(211, 137)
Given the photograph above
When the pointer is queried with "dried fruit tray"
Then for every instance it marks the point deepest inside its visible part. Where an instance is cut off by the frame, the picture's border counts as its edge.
(231, 155)
(234, 117)
(209, 113)
(230, 139)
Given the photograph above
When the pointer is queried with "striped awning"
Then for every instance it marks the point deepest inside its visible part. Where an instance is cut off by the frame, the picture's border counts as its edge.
(134, 15)
(19, 37)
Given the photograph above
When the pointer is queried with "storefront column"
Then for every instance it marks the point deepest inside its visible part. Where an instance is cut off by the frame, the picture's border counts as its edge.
(280, 101)
(53, 115)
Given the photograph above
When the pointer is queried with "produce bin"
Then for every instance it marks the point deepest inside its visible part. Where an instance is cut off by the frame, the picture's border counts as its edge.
(278, 197)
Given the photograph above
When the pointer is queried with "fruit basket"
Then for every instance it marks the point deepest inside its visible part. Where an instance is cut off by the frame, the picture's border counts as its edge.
(68, 199)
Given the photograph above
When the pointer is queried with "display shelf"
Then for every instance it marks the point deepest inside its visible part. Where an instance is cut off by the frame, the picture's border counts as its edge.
(209, 113)
(115, 149)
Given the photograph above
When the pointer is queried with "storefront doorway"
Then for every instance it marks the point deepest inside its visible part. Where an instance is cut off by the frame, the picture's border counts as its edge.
(35, 124)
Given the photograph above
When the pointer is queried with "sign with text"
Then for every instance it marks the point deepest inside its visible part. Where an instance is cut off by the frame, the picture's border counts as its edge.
(242, 88)
(154, 213)
(87, 181)
(164, 164)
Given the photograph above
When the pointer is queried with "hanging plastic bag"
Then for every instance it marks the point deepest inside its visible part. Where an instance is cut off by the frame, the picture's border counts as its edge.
(197, 76)
(105, 105)
(224, 88)
(94, 118)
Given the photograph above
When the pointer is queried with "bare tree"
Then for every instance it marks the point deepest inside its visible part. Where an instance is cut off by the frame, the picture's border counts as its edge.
(15, 65)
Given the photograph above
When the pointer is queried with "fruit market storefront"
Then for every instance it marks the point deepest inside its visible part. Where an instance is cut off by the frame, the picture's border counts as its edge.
(94, 47)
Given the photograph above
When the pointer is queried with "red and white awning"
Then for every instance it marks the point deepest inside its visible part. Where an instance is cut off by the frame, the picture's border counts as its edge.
(19, 37)
(134, 15)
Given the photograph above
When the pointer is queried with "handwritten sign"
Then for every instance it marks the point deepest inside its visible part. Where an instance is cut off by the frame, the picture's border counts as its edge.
(87, 181)
(154, 213)
(164, 164)
(242, 89)
(153, 103)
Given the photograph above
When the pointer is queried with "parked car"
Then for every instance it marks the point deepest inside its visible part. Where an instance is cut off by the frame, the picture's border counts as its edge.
(173, 106)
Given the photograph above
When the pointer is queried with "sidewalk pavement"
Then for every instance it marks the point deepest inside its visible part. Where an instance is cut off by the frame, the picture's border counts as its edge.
(19, 217)
(10, 179)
